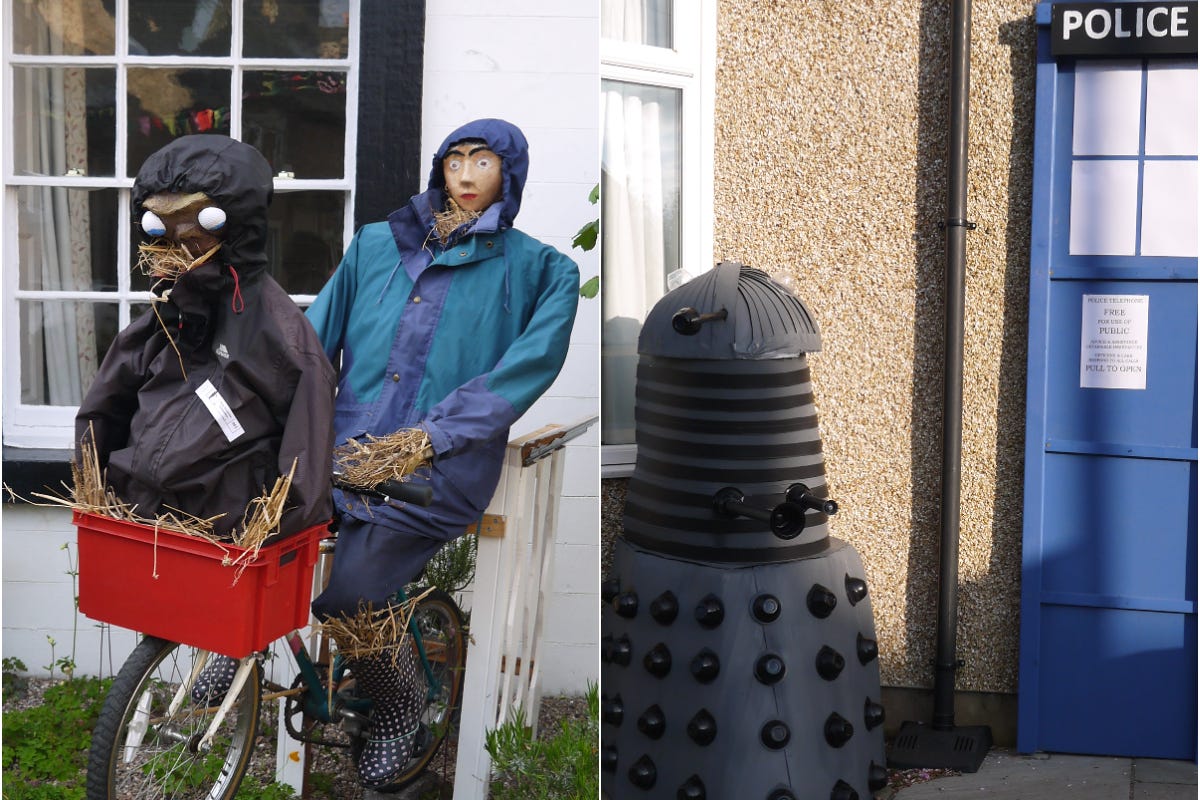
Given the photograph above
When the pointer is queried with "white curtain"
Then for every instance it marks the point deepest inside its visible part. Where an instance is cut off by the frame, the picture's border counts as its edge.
(58, 350)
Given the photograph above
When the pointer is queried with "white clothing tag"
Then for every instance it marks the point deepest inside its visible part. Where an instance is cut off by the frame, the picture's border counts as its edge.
(220, 410)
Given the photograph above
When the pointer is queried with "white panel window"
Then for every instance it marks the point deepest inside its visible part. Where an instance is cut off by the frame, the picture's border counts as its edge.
(1133, 169)
(657, 65)
(93, 87)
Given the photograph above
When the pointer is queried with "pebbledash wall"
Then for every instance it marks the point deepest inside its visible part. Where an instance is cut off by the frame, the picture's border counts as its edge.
(479, 61)
(831, 125)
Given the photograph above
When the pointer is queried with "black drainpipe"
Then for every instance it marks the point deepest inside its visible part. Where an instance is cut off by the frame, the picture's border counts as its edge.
(944, 745)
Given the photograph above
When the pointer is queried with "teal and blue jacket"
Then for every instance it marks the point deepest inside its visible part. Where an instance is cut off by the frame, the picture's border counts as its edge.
(459, 339)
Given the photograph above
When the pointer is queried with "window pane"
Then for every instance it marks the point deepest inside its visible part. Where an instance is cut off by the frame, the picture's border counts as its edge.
(640, 175)
(62, 343)
(645, 22)
(179, 27)
(63, 27)
(304, 244)
(63, 120)
(297, 29)
(67, 238)
(165, 104)
(297, 120)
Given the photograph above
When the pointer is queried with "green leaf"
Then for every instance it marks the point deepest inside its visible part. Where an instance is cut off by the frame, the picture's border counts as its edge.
(587, 236)
(594, 195)
(590, 288)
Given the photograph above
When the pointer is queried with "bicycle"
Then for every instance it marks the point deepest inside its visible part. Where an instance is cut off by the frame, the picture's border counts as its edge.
(152, 741)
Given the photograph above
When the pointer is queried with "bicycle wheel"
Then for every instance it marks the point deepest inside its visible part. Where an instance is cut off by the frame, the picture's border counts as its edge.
(442, 632)
(140, 751)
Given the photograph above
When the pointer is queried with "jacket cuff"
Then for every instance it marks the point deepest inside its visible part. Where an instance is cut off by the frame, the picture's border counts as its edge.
(437, 438)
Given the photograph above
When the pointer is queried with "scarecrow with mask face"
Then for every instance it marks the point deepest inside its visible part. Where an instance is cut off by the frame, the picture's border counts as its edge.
(448, 319)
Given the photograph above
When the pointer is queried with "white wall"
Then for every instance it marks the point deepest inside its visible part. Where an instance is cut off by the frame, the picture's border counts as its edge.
(535, 64)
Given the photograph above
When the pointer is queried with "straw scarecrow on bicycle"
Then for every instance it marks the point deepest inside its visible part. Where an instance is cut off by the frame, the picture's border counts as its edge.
(448, 322)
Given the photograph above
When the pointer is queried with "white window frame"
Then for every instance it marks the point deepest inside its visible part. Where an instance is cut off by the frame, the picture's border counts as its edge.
(691, 68)
(52, 427)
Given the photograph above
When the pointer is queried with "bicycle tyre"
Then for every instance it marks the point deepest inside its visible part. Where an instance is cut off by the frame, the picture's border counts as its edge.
(443, 632)
(162, 760)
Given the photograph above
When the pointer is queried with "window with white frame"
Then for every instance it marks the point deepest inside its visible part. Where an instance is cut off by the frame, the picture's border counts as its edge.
(657, 59)
(91, 88)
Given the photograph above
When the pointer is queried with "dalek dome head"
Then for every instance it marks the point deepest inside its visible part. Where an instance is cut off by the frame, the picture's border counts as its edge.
(729, 464)
(730, 312)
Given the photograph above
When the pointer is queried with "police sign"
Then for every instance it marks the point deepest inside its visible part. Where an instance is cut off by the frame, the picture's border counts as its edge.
(1123, 29)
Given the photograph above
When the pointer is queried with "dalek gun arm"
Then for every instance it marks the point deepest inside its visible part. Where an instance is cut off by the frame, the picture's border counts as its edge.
(786, 518)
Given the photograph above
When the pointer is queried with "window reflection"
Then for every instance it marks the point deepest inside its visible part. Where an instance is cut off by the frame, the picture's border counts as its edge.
(304, 242)
(297, 29)
(64, 121)
(645, 22)
(297, 120)
(165, 104)
(61, 347)
(67, 238)
(179, 27)
(63, 27)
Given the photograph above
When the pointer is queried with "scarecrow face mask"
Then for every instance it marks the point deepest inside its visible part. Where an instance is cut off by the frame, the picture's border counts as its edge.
(187, 230)
(473, 176)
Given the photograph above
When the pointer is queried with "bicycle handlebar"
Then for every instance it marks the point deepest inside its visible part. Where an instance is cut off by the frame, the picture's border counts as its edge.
(417, 494)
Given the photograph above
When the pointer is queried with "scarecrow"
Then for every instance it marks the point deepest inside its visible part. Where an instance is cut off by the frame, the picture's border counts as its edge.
(221, 387)
(448, 322)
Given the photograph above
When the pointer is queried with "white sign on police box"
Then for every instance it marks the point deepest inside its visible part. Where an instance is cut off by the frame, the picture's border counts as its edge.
(1112, 353)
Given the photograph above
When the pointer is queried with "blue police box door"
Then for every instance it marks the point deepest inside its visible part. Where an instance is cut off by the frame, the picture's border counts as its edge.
(1108, 597)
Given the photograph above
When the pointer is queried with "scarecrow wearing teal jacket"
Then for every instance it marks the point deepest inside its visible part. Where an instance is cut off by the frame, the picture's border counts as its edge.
(447, 318)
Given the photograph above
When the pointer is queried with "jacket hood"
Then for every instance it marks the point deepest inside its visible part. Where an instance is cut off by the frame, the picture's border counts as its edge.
(506, 141)
(233, 174)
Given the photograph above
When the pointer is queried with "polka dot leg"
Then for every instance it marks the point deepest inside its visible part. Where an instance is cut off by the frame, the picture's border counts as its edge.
(214, 680)
(395, 716)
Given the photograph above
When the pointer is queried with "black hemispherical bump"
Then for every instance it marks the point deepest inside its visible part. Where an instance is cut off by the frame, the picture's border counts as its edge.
(766, 608)
(821, 601)
(626, 605)
(829, 663)
(608, 759)
(775, 734)
(710, 611)
(856, 590)
(613, 711)
(610, 589)
(616, 651)
(873, 714)
(692, 789)
(702, 728)
(705, 666)
(658, 661)
(877, 777)
(843, 791)
(781, 794)
(868, 650)
(838, 730)
(643, 773)
(664, 608)
(769, 669)
(652, 722)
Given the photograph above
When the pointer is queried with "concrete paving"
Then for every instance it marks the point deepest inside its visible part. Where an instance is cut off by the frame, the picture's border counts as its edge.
(1005, 775)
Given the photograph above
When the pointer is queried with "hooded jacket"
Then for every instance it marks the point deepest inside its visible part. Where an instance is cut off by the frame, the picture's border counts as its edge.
(234, 329)
(459, 339)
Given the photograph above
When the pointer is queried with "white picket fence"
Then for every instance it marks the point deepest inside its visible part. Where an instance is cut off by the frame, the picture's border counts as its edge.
(513, 580)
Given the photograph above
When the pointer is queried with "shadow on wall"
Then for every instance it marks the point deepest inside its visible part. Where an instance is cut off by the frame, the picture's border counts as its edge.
(977, 598)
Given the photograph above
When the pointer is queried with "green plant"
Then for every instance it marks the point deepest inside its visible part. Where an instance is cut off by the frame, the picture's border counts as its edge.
(45, 747)
(453, 566)
(562, 766)
(586, 239)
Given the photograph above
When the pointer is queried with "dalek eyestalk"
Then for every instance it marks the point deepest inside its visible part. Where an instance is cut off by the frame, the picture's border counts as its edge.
(688, 321)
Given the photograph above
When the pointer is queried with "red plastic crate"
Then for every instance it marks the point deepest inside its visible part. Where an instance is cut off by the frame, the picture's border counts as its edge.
(194, 599)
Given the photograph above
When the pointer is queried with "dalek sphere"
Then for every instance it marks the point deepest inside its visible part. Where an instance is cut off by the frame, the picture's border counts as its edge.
(738, 653)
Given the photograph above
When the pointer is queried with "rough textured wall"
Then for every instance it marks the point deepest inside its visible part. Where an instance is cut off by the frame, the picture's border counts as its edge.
(831, 129)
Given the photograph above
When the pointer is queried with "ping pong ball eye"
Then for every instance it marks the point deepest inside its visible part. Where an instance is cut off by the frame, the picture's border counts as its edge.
(211, 218)
(152, 225)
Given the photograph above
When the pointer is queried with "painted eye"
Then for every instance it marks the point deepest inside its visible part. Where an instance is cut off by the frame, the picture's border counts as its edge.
(211, 218)
(484, 163)
(152, 225)
(453, 165)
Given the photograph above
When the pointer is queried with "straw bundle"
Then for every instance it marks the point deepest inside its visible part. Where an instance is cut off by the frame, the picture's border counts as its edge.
(372, 632)
(451, 219)
(392, 457)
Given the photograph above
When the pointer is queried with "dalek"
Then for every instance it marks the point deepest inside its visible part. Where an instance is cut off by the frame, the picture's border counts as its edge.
(738, 650)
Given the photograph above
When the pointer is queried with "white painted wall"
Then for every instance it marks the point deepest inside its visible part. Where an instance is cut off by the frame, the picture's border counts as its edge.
(533, 63)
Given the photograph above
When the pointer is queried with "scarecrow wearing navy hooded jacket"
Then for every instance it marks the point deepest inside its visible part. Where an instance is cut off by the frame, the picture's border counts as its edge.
(445, 318)
(204, 401)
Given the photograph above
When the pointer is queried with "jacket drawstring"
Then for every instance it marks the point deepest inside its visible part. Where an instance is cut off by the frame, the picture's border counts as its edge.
(389, 283)
(237, 304)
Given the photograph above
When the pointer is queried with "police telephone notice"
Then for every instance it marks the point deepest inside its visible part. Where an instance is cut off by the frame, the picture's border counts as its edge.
(1113, 341)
